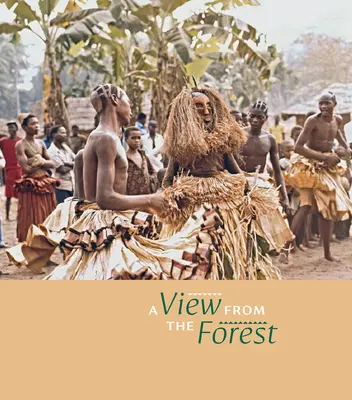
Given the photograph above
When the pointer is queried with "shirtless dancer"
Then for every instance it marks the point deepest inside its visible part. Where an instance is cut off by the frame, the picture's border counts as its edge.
(259, 144)
(104, 158)
(315, 143)
(253, 158)
(103, 187)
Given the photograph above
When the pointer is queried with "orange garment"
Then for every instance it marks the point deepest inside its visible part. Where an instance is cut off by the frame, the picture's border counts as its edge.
(36, 201)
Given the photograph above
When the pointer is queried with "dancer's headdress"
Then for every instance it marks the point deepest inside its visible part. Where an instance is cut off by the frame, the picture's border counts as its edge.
(186, 137)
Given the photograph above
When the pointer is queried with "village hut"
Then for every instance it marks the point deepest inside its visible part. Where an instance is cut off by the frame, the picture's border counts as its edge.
(80, 113)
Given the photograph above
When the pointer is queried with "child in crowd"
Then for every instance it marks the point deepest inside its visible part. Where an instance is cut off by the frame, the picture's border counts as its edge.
(295, 132)
(287, 147)
(142, 177)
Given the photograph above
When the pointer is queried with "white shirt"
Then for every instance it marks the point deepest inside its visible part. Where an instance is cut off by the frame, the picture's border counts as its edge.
(2, 161)
(348, 132)
(154, 154)
(141, 128)
(59, 157)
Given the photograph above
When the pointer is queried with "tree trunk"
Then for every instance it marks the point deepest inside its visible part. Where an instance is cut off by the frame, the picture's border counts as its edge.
(56, 106)
(169, 83)
(134, 93)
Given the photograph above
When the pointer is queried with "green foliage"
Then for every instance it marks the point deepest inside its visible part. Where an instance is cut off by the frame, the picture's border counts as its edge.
(141, 46)
(47, 6)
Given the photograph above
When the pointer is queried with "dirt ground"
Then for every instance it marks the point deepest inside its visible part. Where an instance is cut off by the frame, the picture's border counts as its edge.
(307, 265)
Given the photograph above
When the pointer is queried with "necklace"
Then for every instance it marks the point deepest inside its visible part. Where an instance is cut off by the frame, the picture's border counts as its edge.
(33, 149)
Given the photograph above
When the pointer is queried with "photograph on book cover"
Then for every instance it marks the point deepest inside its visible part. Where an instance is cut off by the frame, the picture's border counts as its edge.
(191, 140)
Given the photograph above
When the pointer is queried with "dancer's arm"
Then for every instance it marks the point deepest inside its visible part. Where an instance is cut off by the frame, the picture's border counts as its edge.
(22, 158)
(106, 197)
(231, 165)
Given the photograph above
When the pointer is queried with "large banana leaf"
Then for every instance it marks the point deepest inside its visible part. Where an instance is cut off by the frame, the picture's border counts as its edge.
(104, 3)
(146, 13)
(9, 3)
(170, 6)
(198, 67)
(25, 12)
(130, 5)
(211, 46)
(74, 16)
(147, 75)
(6, 27)
(82, 30)
(182, 42)
(233, 3)
(125, 18)
(47, 6)
(76, 49)
(221, 26)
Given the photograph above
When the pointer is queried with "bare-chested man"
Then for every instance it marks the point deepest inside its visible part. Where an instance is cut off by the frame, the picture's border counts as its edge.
(321, 189)
(104, 159)
(36, 189)
(259, 144)
(253, 158)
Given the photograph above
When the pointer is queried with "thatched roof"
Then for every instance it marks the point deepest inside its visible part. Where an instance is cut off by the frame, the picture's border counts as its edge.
(343, 93)
(81, 113)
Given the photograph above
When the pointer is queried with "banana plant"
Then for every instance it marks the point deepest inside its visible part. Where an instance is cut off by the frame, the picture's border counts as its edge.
(148, 48)
(40, 21)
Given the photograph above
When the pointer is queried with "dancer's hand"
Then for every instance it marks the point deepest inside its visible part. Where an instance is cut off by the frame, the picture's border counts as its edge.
(331, 160)
(159, 205)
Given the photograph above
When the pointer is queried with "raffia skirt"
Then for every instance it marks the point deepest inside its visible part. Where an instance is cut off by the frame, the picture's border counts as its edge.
(321, 187)
(42, 240)
(273, 226)
(206, 238)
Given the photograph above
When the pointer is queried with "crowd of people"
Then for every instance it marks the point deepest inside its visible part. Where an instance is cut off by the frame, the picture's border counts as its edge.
(213, 197)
